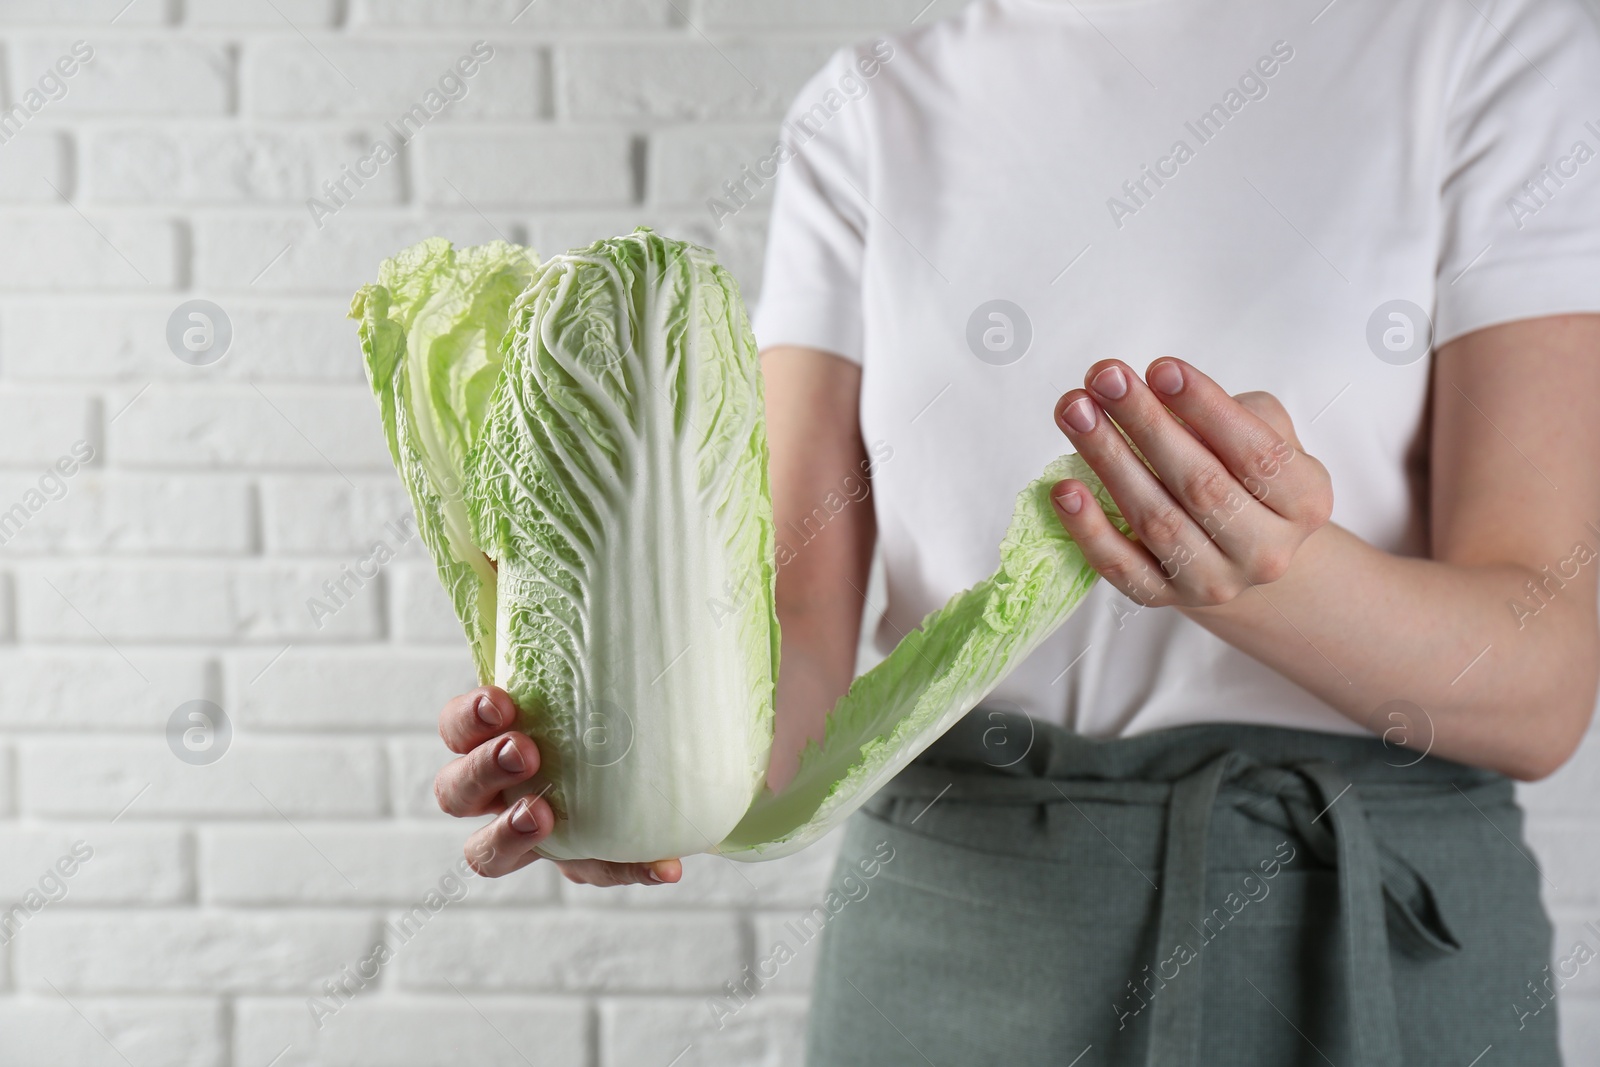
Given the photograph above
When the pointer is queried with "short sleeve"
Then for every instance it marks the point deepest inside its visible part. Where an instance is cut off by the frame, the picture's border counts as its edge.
(1521, 169)
(816, 240)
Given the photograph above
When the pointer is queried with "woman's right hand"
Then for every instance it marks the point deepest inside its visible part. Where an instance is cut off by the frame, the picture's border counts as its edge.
(479, 726)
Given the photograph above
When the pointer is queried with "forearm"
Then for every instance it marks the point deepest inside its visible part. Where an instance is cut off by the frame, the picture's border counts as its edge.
(1502, 688)
(825, 530)
(820, 594)
(818, 664)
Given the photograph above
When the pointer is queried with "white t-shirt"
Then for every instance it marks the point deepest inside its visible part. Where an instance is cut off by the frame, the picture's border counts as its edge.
(1248, 185)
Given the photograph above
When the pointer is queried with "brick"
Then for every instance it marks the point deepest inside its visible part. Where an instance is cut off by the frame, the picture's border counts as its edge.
(265, 14)
(59, 250)
(386, 1030)
(165, 76)
(1580, 1028)
(33, 166)
(287, 78)
(39, 427)
(258, 778)
(384, 863)
(1567, 850)
(326, 429)
(222, 603)
(796, 881)
(810, 14)
(552, 233)
(98, 13)
(204, 165)
(689, 165)
(126, 340)
(770, 1031)
(505, 15)
(110, 864)
(1573, 790)
(44, 1029)
(687, 81)
(188, 951)
(413, 763)
(320, 514)
(68, 689)
(421, 612)
(1574, 941)
(740, 242)
(290, 254)
(383, 688)
(127, 513)
(494, 168)
(795, 975)
(8, 608)
(7, 791)
(568, 950)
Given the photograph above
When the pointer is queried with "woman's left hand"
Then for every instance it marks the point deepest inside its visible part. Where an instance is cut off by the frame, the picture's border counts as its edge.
(1226, 501)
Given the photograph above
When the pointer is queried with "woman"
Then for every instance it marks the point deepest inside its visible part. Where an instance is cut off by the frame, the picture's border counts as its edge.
(1252, 804)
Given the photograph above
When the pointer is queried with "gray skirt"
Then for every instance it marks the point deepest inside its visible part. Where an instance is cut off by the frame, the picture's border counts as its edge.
(1221, 895)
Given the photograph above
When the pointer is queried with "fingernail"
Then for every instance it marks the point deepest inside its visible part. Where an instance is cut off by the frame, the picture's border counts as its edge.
(1071, 501)
(1110, 383)
(1080, 414)
(1166, 378)
(488, 714)
(652, 877)
(522, 819)
(509, 758)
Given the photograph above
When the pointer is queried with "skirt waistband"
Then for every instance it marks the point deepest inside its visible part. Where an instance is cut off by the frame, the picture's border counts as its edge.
(1004, 749)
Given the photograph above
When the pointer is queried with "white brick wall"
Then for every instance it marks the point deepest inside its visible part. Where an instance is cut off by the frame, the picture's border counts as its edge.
(219, 898)
(177, 564)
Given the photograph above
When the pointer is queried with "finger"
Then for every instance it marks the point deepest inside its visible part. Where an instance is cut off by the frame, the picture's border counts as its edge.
(1161, 524)
(1266, 462)
(472, 784)
(1126, 564)
(1271, 411)
(475, 716)
(601, 873)
(508, 843)
(1190, 472)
